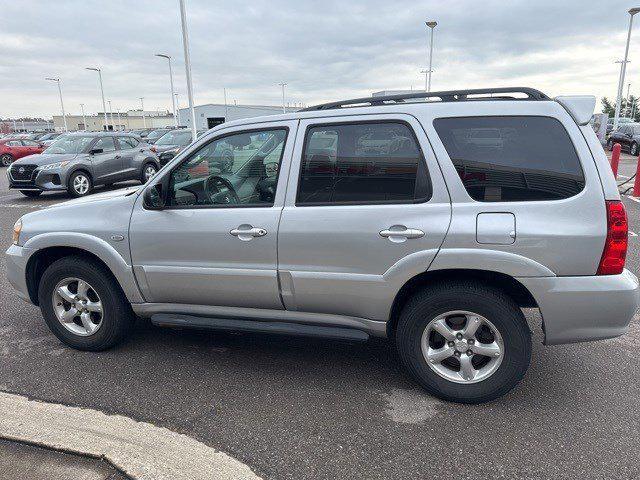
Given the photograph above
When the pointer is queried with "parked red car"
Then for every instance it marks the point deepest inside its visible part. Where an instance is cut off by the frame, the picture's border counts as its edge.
(13, 149)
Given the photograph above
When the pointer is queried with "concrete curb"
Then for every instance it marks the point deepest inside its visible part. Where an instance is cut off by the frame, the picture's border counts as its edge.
(138, 449)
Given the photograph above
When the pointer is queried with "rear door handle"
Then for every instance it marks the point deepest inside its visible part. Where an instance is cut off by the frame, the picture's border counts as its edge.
(400, 233)
(247, 232)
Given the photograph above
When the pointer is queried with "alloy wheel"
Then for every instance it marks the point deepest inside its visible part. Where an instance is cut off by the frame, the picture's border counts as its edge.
(6, 160)
(462, 347)
(81, 184)
(149, 172)
(77, 306)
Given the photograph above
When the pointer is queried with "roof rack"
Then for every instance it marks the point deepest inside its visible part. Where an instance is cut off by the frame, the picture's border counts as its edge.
(446, 96)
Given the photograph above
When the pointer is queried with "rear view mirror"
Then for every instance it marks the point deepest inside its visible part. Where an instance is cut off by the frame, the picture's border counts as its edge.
(93, 151)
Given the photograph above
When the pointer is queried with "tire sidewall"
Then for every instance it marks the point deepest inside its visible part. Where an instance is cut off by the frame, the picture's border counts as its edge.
(143, 179)
(634, 149)
(108, 331)
(509, 321)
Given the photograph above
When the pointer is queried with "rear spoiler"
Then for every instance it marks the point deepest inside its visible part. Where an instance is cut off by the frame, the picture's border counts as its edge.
(580, 107)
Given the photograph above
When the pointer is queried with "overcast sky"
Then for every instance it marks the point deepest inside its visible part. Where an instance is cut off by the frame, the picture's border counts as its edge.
(324, 50)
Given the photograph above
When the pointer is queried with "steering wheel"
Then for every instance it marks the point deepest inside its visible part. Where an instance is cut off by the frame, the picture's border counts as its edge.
(220, 191)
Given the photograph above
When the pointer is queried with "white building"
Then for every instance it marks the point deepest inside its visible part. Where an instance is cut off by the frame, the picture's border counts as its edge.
(130, 119)
(212, 114)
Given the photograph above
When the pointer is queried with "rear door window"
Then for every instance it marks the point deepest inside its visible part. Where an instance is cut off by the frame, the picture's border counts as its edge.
(106, 144)
(362, 163)
(510, 159)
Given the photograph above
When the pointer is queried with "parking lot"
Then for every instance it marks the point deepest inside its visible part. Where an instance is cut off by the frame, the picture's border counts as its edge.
(297, 408)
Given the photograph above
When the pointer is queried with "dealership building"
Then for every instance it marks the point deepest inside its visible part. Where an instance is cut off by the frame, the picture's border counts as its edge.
(212, 114)
(131, 119)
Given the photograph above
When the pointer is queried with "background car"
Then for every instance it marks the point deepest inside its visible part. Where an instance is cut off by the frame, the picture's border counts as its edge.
(48, 138)
(172, 143)
(12, 149)
(628, 136)
(620, 122)
(154, 135)
(77, 162)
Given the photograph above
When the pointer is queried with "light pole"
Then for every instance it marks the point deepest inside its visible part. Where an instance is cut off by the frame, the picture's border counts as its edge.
(623, 68)
(187, 68)
(119, 123)
(432, 25)
(173, 103)
(283, 84)
(64, 118)
(84, 120)
(144, 119)
(111, 115)
(177, 109)
(226, 109)
(104, 106)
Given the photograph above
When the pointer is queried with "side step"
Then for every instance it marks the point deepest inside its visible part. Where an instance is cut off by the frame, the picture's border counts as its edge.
(279, 328)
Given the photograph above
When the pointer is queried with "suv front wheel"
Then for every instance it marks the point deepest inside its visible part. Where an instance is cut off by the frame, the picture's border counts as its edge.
(464, 342)
(80, 184)
(83, 305)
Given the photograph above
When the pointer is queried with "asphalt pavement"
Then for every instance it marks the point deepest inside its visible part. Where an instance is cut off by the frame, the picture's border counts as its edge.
(301, 408)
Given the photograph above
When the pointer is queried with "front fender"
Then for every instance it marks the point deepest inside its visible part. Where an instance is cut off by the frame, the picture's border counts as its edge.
(97, 246)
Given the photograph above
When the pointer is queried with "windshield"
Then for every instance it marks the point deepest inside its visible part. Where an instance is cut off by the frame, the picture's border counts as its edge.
(69, 144)
(179, 137)
(156, 134)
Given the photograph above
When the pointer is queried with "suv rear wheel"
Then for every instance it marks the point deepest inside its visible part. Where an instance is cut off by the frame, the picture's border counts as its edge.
(80, 184)
(634, 149)
(83, 305)
(464, 342)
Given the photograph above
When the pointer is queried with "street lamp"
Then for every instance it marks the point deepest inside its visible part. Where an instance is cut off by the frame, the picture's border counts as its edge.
(283, 84)
(119, 122)
(177, 109)
(104, 106)
(64, 118)
(187, 68)
(144, 119)
(431, 25)
(623, 68)
(84, 120)
(173, 103)
(111, 115)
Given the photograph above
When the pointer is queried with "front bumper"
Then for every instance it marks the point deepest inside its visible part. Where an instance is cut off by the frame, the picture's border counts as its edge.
(40, 180)
(581, 309)
(16, 259)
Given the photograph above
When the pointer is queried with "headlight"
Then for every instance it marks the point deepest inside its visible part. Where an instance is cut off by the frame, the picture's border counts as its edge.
(51, 166)
(17, 228)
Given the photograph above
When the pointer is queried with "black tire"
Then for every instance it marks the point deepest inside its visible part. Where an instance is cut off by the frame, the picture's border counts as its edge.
(6, 160)
(491, 303)
(610, 145)
(143, 180)
(31, 193)
(118, 317)
(634, 149)
(70, 184)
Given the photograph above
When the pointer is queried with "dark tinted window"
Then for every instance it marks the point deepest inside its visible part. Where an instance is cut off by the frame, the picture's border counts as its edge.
(105, 143)
(362, 163)
(127, 143)
(508, 159)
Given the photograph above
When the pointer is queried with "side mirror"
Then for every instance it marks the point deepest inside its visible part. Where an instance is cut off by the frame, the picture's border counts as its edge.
(93, 151)
(153, 197)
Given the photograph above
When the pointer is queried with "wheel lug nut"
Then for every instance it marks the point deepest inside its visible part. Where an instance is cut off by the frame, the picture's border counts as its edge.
(457, 354)
(469, 352)
(471, 341)
(459, 336)
(451, 344)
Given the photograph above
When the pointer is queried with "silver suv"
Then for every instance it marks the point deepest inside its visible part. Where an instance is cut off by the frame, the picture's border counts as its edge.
(429, 219)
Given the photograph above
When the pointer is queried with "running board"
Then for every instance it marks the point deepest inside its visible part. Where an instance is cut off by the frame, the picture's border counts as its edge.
(278, 328)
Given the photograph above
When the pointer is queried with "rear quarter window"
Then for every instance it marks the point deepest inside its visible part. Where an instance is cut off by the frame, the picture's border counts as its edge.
(510, 159)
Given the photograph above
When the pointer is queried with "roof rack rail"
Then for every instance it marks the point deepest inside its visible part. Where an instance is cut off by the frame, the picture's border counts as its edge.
(446, 96)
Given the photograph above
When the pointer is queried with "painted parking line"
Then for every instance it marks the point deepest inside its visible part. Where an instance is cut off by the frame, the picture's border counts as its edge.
(140, 450)
(23, 205)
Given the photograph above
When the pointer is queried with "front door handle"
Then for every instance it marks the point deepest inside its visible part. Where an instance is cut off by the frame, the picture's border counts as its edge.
(247, 232)
(400, 233)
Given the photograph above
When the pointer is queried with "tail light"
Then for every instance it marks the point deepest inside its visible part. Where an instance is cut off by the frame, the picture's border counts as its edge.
(615, 246)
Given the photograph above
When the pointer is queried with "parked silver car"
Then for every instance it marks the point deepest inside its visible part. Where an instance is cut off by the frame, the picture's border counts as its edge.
(383, 216)
(77, 162)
